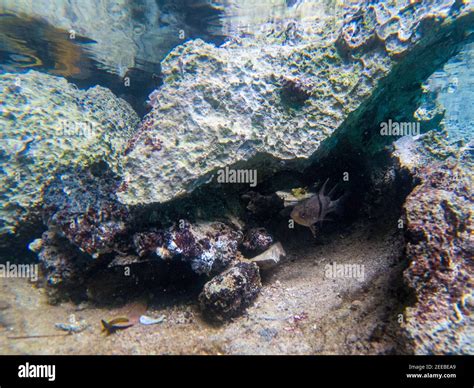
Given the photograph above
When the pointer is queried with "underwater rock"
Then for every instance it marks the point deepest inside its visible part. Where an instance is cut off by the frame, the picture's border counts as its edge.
(263, 206)
(83, 208)
(439, 227)
(256, 240)
(208, 247)
(227, 295)
(146, 243)
(220, 106)
(63, 266)
(48, 124)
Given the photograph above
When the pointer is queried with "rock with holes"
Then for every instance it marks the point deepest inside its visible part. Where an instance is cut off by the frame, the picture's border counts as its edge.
(269, 102)
(439, 247)
(209, 247)
(48, 124)
(230, 293)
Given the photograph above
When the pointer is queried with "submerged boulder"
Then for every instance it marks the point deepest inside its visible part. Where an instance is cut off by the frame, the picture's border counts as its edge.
(46, 124)
(83, 208)
(230, 293)
(269, 102)
(439, 227)
(208, 247)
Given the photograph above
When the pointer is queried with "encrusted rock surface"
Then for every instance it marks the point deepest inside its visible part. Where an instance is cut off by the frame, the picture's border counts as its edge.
(256, 240)
(277, 97)
(208, 247)
(439, 228)
(84, 209)
(81, 210)
(64, 266)
(46, 124)
(230, 293)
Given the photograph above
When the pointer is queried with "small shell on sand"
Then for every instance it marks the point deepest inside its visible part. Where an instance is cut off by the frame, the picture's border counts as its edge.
(146, 320)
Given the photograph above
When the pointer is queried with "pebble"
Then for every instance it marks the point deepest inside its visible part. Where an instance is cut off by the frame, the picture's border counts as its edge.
(36, 245)
(4, 305)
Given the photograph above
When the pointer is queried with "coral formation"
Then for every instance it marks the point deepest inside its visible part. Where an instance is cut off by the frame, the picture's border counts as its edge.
(48, 124)
(84, 209)
(88, 226)
(220, 106)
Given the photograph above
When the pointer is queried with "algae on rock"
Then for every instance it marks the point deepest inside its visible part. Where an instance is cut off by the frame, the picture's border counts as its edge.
(439, 227)
(47, 123)
(275, 98)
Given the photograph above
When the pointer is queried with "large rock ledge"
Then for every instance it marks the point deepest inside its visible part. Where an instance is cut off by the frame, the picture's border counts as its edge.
(279, 96)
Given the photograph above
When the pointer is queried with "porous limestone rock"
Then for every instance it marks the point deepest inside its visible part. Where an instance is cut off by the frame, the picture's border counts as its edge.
(46, 124)
(439, 220)
(269, 102)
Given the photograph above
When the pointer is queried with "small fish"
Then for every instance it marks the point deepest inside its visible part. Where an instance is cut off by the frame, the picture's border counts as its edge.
(115, 324)
(315, 209)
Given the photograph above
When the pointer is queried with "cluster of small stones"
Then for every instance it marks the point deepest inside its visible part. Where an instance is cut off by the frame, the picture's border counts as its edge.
(89, 228)
(439, 228)
(281, 95)
(48, 124)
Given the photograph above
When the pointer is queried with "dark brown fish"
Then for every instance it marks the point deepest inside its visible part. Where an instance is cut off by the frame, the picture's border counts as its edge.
(115, 324)
(315, 209)
(132, 313)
